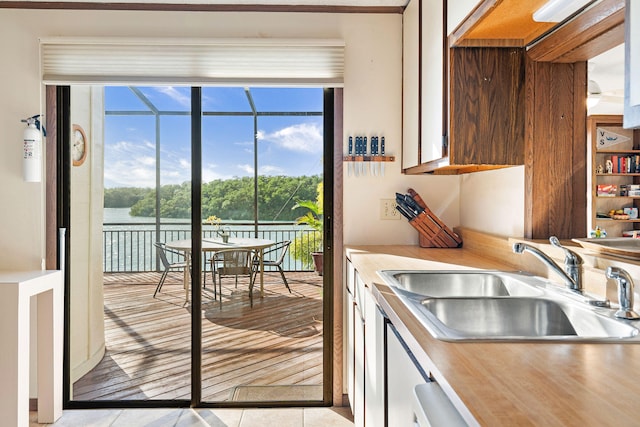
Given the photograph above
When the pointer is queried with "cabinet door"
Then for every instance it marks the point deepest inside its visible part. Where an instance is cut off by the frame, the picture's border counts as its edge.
(433, 125)
(359, 362)
(374, 413)
(350, 347)
(410, 85)
(424, 82)
(487, 106)
(402, 377)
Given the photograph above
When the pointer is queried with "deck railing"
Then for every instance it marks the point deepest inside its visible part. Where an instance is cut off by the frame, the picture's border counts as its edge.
(128, 247)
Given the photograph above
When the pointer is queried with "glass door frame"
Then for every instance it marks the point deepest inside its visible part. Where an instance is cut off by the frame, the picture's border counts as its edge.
(60, 106)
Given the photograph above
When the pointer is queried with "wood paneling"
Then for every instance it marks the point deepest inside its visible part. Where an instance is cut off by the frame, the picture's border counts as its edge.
(338, 255)
(148, 341)
(555, 147)
(487, 106)
(593, 32)
(51, 180)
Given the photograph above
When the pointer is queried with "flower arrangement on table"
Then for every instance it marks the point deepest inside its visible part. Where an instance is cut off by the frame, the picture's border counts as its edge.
(223, 232)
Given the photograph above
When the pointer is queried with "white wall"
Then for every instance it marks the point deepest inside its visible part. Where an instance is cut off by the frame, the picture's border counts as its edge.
(493, 201)
(372, 104)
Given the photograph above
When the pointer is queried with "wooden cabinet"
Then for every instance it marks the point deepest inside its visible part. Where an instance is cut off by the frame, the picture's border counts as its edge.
(615, 174)
(487, 108)
(463, 108)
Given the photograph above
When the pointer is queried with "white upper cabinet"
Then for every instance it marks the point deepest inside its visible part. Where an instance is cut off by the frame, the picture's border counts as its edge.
(433, 127)
(424, 83)
(410, 98)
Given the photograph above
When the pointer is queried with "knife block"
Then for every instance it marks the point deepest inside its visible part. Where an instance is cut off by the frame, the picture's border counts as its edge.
(433, 232)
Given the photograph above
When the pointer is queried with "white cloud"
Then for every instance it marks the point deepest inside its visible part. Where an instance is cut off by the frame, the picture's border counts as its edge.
(302, 137)
(210, 172)
(271, 170)
(246, 168)
(175, 94)
(134, 164)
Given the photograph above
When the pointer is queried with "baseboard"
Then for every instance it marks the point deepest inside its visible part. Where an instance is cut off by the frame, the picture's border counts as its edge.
(79, 371)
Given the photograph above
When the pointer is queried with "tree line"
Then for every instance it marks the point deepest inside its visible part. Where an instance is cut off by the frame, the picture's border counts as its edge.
(229, 199)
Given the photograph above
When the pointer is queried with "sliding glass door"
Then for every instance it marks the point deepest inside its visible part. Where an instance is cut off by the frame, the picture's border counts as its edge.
(157, 317)
(262, 328)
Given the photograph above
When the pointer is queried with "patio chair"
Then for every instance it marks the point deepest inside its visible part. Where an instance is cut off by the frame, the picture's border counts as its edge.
(274, 257)
(214, 258)
(162, 251)
(231, 262)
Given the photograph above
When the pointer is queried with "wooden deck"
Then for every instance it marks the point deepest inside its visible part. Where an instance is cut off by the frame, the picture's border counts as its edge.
(277, 342)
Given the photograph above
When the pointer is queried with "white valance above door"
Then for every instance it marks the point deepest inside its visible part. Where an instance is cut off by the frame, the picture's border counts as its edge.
(192, 61)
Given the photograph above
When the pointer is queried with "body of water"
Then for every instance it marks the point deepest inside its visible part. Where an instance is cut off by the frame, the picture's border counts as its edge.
(128, 241)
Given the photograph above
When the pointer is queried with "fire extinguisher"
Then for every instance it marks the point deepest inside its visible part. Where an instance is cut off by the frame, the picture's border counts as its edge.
(32, 148)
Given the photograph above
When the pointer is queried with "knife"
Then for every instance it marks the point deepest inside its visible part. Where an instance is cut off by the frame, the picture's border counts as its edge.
(356, 148)
(404, 212)
(412, 204)
(356, 165)
(382, 154)
(402, 208)
(374, 152)
(350, 162)
(364, 153)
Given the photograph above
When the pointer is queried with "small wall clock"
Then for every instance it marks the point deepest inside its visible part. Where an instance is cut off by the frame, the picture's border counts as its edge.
(79, 145)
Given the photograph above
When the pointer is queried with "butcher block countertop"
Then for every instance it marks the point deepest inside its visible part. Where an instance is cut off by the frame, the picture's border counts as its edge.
(509, 384)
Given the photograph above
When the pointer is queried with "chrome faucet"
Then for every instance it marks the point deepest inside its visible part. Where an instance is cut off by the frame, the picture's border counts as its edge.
(572, 273)
(625, 292)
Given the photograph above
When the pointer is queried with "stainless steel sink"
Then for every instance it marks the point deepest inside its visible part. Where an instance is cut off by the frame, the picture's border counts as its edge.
(460, 283)
(470, 305)
(500, 317)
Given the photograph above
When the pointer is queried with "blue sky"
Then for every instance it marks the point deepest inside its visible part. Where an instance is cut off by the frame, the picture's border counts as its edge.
(286, 145)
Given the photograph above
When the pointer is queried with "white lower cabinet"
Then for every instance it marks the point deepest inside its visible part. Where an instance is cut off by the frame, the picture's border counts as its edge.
(364, 353)
(374, 357)
(359, 361)
(402, 377)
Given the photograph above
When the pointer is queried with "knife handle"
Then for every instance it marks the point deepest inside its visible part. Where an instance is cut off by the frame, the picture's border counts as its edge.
(417, 198)
(350, 145)
(382, 146)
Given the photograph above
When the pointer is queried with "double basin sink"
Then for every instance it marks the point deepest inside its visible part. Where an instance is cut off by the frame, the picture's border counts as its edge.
(480, 305)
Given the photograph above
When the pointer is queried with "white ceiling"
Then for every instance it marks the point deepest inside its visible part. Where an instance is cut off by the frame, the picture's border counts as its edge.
(358, 3)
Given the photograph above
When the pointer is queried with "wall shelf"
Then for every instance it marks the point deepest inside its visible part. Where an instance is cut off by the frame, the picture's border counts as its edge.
(372, 159)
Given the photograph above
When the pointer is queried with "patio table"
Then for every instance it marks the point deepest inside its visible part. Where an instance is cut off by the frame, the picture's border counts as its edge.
(214, 245)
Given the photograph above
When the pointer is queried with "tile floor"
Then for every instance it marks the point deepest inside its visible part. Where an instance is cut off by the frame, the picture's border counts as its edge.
(203, 417)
